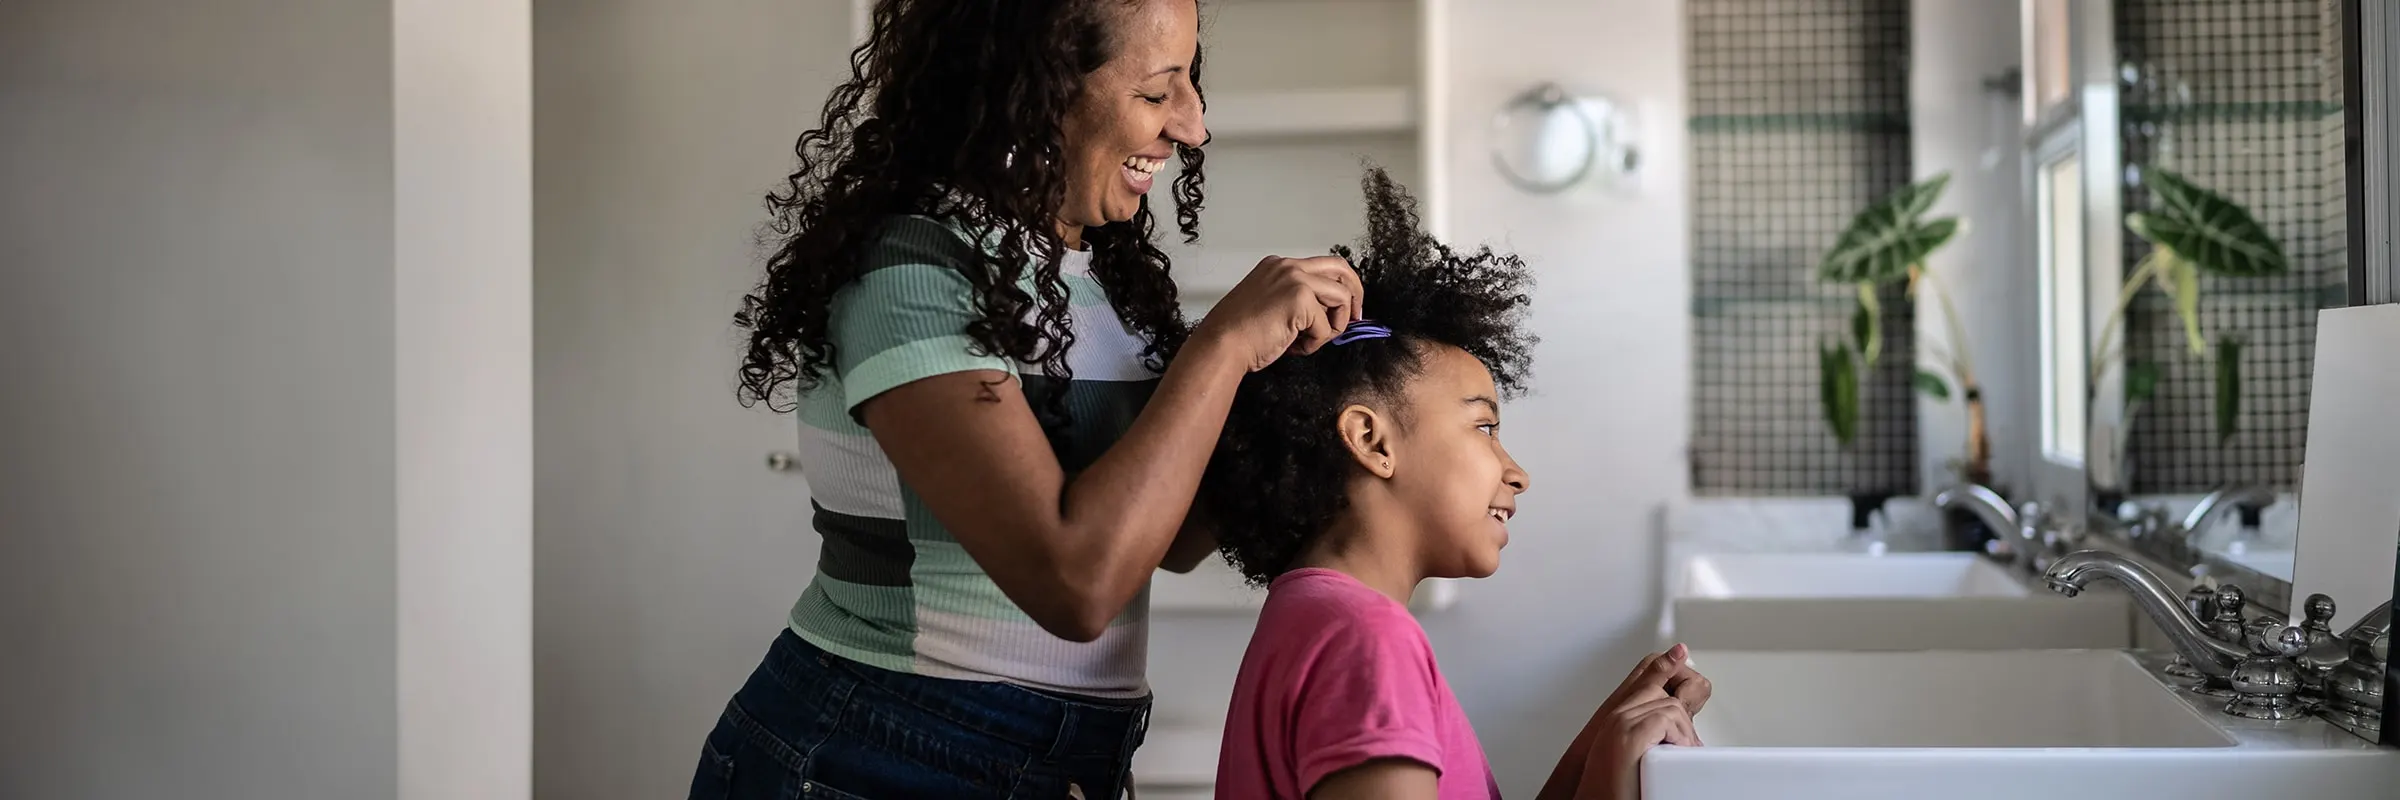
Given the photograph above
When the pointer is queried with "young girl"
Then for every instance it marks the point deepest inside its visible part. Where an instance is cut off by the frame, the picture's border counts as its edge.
(1345, 477)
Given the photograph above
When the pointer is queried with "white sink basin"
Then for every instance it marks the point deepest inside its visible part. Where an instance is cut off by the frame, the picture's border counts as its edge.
(1902, 601)
(2037, 698)
(1841, 575)
(1973, 725)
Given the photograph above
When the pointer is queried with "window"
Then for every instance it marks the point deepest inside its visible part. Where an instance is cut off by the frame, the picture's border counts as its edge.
(2058, 196)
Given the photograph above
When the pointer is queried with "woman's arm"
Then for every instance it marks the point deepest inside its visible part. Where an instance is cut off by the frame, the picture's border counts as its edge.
(1073, 554)
(1194, 543)
(1384, 779)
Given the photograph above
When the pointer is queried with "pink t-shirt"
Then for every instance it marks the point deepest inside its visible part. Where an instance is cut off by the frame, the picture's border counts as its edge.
(1337, 675)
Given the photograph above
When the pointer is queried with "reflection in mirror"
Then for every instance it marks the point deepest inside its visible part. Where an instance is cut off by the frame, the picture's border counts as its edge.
(2184, 365)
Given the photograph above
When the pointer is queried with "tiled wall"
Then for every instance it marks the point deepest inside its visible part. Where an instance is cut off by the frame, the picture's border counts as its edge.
(2243, 97)
(1799, 119)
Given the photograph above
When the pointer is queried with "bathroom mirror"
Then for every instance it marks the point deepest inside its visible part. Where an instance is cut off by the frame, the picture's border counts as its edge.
(2175, 378)
(2198, 199)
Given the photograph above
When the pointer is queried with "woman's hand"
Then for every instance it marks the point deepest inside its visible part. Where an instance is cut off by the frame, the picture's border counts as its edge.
(1073, 551)
(1654, 705)
(1285, 305)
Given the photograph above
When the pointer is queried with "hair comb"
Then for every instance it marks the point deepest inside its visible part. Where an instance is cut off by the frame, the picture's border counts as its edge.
(1362, 330)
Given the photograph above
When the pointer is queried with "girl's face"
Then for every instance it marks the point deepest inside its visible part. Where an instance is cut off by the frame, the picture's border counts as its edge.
(1448, 469)
(1133, 111)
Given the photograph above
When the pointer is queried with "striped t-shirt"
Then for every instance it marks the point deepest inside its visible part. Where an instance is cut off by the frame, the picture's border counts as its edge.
(893, 589)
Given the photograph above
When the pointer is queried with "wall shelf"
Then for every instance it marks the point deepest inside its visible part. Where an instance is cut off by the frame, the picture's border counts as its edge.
(1236, 115)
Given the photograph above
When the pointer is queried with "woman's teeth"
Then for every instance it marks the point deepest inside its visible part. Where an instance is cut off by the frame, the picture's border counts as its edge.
(1146, 166)
(1500, 514)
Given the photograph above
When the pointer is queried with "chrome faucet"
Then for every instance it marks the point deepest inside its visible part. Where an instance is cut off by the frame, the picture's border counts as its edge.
(2264, 678)
(2020, 527)
(1984, 503)
(2212, 658)
(2232, 495)
(2021, 530)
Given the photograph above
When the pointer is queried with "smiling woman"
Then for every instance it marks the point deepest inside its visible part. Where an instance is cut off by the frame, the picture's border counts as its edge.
(1004, 414)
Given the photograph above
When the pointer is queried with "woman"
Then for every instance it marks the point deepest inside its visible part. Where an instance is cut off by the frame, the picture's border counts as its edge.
(969, 315)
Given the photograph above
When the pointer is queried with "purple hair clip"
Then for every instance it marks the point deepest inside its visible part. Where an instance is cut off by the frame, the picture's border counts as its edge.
(1362, 329)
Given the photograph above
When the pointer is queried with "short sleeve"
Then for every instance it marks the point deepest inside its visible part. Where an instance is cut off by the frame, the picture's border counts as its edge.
(1370, 694)
(905, 318)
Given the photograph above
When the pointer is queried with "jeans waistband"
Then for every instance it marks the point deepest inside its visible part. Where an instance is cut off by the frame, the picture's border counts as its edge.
(1047, 723)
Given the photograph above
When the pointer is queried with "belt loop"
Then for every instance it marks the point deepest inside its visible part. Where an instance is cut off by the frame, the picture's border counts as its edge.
(1134, 734)
(1070, 720)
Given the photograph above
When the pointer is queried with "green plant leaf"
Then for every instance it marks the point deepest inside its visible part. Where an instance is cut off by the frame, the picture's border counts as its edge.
(1932, 385)
(2229, 387)
(1867, 323)
(2213, 232)
(1889, 236)
(2141, 380)
(2186, 288)
(1838, 385)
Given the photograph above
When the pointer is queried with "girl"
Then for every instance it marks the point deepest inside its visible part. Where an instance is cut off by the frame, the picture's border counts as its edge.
(1344, 478)
(970, 317)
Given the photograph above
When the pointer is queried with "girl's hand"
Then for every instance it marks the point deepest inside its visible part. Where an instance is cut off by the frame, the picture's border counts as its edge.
(1612, 769)
(1653, 706)
(1285, 305)
(1683, 683)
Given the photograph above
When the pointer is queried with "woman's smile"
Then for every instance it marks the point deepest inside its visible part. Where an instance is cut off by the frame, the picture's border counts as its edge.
(1140, 171)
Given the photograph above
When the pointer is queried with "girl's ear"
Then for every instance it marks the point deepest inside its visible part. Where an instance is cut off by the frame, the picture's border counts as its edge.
(1368, 435)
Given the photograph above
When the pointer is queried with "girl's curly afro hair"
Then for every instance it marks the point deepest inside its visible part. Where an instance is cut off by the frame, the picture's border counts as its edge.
(1277, 479)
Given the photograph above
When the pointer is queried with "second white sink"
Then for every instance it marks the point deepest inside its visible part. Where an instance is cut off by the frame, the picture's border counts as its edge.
(1843, 575)
(2037, 698)
(2063, 725)
(1902, 601)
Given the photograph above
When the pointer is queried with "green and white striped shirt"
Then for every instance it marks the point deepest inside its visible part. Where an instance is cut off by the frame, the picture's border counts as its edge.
(893, 589)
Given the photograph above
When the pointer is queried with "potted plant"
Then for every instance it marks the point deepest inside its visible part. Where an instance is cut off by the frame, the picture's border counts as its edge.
(1889, 242)
(2192, 231)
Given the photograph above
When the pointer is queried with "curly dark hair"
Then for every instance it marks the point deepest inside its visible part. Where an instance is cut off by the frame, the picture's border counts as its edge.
(1276, 481)
(955, 109)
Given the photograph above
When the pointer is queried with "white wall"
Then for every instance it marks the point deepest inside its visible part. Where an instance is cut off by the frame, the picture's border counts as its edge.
(1955, 123)
(463, 303)
(666, 555)
(211, 348)
(1534, 650)
(197, 340)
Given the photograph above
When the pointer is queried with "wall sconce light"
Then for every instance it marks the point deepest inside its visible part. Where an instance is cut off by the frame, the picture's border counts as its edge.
(1546, 140)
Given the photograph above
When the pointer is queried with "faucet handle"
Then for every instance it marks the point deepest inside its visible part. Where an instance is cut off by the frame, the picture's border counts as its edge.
(2201, 601)
(2227, 625)
(2266, 684)
(2278, 641)
(2317, 614)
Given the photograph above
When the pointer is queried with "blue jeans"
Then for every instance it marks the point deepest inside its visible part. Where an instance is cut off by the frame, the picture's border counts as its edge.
(810, 724)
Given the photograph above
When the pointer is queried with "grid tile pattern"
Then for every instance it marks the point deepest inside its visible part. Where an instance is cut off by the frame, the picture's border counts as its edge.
(1800, 119)
(2243, 97)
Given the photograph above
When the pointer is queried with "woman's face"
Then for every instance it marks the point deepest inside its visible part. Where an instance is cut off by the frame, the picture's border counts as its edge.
(1450, 470)
(1133, 111)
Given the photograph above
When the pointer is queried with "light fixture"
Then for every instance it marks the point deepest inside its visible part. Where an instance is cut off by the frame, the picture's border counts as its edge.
(1547, 140)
